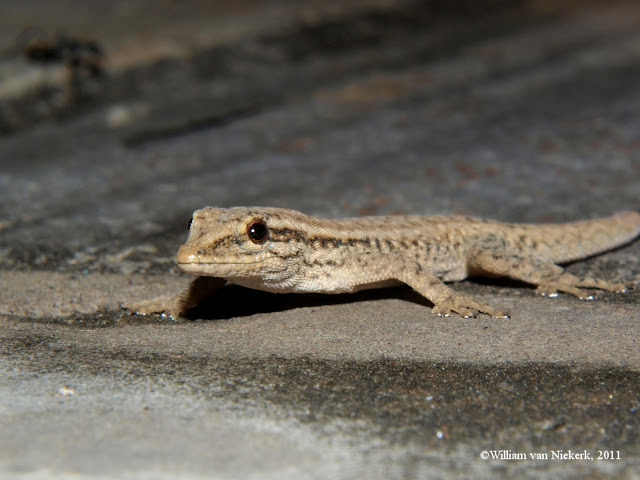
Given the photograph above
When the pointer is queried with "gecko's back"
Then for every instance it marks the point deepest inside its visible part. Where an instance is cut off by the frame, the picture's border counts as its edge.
(556, 242)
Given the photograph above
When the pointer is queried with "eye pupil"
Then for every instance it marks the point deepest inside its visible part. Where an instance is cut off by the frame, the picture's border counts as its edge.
(190, 223)
(257, 231)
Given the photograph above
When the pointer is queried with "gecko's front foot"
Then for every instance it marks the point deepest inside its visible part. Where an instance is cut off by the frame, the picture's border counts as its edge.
(466, 307)
(167, 306)
(176, 305)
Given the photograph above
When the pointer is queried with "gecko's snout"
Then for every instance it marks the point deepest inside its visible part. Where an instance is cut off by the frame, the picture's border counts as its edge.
(186, 256)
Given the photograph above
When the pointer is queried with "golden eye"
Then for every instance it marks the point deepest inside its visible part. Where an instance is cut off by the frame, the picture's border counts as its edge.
(257, 231)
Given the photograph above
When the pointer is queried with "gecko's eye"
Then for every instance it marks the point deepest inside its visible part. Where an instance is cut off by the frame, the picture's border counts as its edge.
(190, 223)
(257, 231)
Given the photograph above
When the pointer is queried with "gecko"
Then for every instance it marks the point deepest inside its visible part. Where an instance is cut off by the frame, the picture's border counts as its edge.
(280, 250)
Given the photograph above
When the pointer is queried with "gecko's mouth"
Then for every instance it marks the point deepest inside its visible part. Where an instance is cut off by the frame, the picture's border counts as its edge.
(219, 268)
(197, 264)
(194, 268)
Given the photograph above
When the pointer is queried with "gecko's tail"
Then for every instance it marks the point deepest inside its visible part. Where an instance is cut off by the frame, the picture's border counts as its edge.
(576, 240)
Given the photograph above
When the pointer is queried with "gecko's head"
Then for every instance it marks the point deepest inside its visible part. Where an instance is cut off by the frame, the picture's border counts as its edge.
(237, 242)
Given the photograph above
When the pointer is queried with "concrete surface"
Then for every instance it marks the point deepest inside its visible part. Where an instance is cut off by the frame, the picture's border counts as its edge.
(526, 114)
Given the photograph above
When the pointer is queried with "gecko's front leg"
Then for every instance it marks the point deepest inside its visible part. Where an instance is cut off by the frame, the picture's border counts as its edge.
(177, 305)
(445, 300)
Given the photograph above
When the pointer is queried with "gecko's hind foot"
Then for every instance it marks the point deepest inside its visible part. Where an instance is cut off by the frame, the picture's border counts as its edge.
(584, 289)
(603, 285)
(553, 291)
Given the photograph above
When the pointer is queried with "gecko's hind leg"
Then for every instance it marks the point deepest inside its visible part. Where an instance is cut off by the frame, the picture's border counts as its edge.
(548, 277)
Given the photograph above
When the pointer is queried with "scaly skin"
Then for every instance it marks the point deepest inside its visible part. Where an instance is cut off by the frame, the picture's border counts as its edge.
(283, 251)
